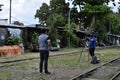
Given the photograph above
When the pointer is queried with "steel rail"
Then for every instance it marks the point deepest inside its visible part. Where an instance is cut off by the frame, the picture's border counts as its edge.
(115, 76)
(17, 60)
(24, 59)
(83, 75)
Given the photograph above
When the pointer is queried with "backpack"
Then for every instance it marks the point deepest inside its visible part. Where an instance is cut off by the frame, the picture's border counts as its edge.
(94, 60)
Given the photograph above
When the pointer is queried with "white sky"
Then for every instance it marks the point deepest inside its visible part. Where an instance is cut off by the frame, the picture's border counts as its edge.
(114, 7)
(23, 10)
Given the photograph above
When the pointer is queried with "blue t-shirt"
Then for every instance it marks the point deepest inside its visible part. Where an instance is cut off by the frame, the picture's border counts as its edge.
(42, 41)
(91, 42)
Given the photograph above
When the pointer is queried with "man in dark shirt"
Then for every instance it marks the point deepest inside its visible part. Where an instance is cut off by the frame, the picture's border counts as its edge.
(44, 44)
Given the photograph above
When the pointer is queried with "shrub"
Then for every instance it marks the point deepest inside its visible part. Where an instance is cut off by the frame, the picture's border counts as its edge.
(13, 40)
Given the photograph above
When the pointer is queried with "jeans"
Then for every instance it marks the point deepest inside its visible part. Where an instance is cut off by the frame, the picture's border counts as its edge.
(44, 60)
(91, 51)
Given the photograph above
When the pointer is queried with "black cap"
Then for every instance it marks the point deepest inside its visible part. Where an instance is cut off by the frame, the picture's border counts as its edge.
(92, 32)
(43, 30)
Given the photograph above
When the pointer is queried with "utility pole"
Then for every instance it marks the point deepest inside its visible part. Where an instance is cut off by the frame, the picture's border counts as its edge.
(0, 7)
(69, 26)
(70, 6)
(10, 12)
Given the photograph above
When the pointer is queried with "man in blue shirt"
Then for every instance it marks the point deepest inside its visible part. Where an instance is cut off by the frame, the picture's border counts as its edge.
(44, 44)
(92, 45)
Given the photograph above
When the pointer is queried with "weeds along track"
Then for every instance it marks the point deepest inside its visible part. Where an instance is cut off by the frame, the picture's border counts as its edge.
(31, 58)
(107, 71)
(24, 59)
(12, 62)
(15, 61)
(94, 73)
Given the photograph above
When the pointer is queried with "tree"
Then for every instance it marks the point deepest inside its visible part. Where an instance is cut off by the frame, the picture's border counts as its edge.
(72, 39)
(90, 9)
(55, 8)
(34, 41)
(59, 7)
(54, 20)
(18, 23)
(114, 23)
(95, 14)
(56, 15)
(43, 13)
(92, 14)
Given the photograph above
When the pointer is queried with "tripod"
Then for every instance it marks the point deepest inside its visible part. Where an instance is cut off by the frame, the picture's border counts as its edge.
(85, 45)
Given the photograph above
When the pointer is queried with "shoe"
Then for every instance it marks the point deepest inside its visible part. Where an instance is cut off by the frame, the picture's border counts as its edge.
(95, 62)
(40, 72)
(47, 72)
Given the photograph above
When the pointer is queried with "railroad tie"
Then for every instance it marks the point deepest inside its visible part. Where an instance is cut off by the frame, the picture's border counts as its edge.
(89, 79)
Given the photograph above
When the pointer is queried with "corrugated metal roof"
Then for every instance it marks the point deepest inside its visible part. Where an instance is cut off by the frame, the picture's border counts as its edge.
(3, 24)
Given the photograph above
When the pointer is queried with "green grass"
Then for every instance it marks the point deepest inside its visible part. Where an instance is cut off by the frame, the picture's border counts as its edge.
(66, 61)
(104, 55)
(70, 61)
(28, 64)
(5, 75)
(108, 54)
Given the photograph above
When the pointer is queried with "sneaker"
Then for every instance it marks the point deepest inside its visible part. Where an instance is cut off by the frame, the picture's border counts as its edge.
(95, 62)
(40, 72)
(47, 72)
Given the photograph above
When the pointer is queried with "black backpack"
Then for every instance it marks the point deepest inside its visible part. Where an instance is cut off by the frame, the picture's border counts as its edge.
(94, 60)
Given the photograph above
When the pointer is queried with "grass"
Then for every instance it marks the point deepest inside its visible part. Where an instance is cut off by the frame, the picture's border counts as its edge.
(72, 60)
(104, 55)
(4, 75)
(69, 61)
(66, 61)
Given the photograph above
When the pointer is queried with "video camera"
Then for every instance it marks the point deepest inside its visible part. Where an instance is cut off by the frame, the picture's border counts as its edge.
(90, 34)
(87, 35)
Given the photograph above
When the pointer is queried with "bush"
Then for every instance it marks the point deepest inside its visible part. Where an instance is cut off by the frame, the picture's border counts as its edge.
(13, 40)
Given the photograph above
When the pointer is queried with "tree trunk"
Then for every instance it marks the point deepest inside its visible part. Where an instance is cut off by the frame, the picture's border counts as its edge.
(92, 22)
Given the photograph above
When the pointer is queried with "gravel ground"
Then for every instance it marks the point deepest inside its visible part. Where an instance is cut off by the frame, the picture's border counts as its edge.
(28, 70)
(23, 72)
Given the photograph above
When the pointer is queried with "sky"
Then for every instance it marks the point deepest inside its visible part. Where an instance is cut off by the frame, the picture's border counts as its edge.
(24, 10)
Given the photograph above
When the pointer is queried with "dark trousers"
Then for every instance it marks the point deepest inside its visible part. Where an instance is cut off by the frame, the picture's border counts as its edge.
(44, 60)
(91, 51)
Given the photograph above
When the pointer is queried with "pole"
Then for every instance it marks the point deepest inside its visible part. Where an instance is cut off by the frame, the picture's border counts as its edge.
(69, 26)
(1, 7)
(70, 7)
(10, 12)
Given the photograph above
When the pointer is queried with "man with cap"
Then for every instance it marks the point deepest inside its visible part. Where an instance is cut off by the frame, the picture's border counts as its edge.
(92, 45)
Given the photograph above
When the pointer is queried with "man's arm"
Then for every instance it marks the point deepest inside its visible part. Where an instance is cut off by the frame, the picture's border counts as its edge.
(49, 42)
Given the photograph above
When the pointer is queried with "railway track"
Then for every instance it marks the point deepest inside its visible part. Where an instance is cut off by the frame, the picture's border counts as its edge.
(83, 76)
(13, 62)
(68, 53)
(116, 76)
(87, 75)
(95, 73)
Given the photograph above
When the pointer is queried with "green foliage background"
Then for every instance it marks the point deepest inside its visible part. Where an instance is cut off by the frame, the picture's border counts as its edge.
(13, 40)
(93, 15)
